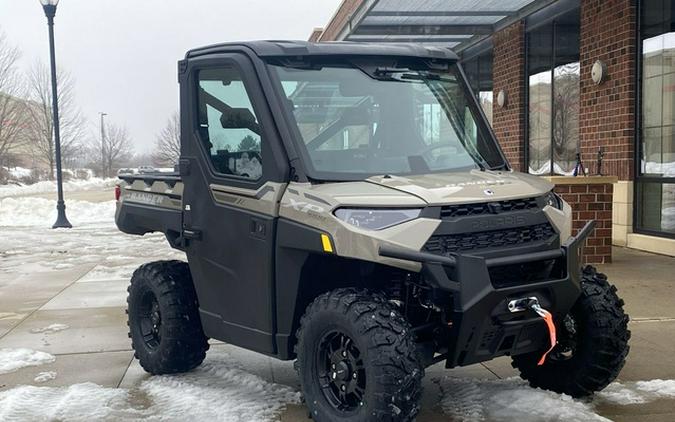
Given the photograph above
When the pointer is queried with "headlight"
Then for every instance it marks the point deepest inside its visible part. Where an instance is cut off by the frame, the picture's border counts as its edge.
(375, 219)
(553, 200)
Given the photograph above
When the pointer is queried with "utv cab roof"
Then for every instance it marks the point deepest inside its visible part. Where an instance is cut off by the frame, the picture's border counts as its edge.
(335, 48)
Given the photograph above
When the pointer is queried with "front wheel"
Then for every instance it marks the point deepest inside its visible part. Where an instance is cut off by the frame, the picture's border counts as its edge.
(592, 346)
(357, 359)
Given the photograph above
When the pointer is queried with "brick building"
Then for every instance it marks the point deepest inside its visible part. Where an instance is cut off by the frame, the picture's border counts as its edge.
(579, 79)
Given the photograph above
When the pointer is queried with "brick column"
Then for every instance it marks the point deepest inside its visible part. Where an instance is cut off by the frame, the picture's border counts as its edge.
(509, 75)
(590, 199)
(607, 111)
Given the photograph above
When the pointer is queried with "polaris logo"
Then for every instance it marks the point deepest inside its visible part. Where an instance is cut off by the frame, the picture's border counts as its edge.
(497, 223)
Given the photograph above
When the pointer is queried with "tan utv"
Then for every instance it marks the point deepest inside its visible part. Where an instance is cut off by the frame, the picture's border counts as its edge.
(347, 205)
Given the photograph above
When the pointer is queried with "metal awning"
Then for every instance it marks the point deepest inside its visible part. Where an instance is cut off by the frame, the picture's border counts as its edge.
(452, 23)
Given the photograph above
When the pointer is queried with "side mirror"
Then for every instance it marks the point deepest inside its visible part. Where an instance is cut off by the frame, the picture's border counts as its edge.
(239, 118)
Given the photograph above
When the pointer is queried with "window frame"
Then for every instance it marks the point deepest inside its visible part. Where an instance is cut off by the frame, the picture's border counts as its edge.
(640, 178)
(483, 128)
(533, 25)
(272, 168)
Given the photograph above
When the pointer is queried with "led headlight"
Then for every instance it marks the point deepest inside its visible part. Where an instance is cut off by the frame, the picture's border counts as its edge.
(376, 219)
(553, 200)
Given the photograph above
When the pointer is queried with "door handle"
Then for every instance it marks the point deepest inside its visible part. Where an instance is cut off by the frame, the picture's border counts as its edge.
(258, 228)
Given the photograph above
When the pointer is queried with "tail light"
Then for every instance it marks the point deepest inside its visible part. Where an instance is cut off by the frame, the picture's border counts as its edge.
(118, 192)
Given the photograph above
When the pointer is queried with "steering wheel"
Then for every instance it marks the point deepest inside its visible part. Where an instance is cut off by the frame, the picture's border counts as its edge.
(427, 151)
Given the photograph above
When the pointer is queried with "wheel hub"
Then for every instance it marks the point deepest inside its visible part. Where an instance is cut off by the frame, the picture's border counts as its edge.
(341, 372)
(150, 320)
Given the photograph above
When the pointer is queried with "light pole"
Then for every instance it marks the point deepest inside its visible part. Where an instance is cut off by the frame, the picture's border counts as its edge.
(102, 144)
(49, 7)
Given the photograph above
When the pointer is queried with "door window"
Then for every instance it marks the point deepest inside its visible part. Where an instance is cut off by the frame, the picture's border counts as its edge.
(228, 126)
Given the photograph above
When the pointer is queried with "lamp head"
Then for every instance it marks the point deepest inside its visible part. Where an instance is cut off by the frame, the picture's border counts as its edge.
(49, 7)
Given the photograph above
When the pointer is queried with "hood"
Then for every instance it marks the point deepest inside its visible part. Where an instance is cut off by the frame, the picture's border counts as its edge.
(466, 187)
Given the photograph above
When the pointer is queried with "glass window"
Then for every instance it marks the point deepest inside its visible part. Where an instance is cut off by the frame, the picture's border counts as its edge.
(367, 120)
(478, 70)
(656, 179)
(656, 207)
(553, 96)
(228, 126)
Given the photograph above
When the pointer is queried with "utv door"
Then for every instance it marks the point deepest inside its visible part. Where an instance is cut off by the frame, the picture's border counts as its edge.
(234, 172)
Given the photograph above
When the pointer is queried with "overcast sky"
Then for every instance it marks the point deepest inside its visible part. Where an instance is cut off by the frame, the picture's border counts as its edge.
(123, 53)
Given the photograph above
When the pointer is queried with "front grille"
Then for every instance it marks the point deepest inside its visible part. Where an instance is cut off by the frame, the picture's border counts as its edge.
(466, 210)
(447, 244)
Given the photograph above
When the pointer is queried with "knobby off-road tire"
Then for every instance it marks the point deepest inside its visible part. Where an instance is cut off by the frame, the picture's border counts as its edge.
(374, 354)
(601, 343)
(163, 317)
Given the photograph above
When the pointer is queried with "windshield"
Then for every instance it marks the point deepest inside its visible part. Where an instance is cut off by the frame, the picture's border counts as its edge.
(356, 122)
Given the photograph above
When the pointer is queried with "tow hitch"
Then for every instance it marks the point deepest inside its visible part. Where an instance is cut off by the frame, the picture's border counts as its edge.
(523, 304)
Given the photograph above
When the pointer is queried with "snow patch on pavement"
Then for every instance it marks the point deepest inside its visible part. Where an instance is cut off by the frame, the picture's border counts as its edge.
(50, 186)
(79, 402)
(216, 391)
(45, 376)
(638, 392)
(53, 328)
(14, 359)
(509, 400)
(513, 399)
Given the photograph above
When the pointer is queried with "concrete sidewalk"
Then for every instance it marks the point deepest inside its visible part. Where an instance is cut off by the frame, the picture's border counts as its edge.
(94, 347)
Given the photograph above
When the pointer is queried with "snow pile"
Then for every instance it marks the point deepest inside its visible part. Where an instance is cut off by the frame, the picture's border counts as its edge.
(216, 391)
(14, 359)
(638, 392)
(27, 211)
(19, 172)
(509, 400)
(50, 186)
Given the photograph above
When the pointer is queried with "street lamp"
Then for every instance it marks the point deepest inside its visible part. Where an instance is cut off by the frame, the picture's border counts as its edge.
(49, 7)
(103, 144)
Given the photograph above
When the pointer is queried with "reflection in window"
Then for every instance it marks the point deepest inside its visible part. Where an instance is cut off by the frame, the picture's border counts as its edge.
(553, 115)
(658, 100)
(228, 126)
(478, 71)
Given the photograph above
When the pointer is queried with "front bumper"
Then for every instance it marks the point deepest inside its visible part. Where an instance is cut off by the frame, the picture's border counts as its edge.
(482, 326)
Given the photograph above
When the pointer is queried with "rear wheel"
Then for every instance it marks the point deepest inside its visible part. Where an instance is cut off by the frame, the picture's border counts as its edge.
(592, 343)
(163, 317)
(357, 359)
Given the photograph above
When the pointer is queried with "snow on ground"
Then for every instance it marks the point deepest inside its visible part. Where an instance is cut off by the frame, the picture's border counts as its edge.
(94, 239)
(513, 400)
(50, 186)
(638, 392)
(216, 391)
(14, 359)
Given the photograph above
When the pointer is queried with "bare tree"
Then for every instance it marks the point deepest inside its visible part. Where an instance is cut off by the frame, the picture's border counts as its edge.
(12, 106)
(117, 149)
(167, 144)
(41, 129)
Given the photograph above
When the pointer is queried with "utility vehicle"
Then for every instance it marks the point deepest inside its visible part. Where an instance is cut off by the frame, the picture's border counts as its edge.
(347, 205)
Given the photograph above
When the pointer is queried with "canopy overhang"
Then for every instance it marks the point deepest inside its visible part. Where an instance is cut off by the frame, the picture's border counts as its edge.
(457, 24)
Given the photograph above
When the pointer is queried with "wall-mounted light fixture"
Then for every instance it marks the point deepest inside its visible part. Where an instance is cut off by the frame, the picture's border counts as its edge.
(599, 72)
(501, 98)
